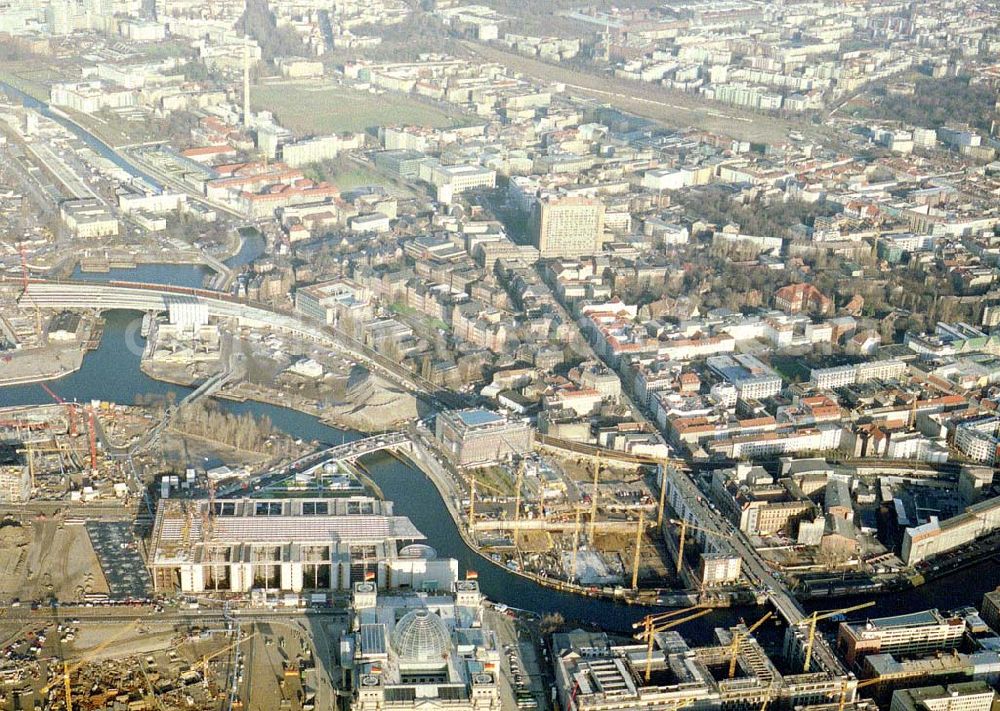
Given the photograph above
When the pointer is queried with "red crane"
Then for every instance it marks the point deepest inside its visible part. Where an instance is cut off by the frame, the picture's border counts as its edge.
(70, 407)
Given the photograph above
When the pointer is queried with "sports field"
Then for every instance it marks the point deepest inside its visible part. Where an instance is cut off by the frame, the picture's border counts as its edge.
(315, 109)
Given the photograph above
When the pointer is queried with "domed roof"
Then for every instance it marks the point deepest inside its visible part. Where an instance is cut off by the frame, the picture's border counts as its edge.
(421, 636)
(418, 550)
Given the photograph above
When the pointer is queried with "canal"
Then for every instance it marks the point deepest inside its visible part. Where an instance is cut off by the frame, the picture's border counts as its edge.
(111, 372)
(92, 141)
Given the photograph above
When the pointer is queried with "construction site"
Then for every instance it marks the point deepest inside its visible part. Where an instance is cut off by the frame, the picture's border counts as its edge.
(40, 346)
(58, 452)
(597, 527)
(154, 661)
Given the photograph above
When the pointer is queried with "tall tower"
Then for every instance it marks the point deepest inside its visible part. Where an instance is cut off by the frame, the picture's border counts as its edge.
(246, 82)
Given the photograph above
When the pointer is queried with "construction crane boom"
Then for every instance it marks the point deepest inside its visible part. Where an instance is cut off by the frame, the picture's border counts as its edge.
(738, 638)
(685, 525)
(593, 502)
(69, 669)
(638, 549)
(816, 617)
(652, 624)
(208, 657)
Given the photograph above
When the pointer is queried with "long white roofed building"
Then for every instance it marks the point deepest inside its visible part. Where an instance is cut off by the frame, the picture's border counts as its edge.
(292, 545)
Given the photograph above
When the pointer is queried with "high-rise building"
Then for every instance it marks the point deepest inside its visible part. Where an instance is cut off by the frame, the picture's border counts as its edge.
(568, 227)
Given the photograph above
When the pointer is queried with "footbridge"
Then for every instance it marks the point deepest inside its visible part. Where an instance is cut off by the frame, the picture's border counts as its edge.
(352, 451)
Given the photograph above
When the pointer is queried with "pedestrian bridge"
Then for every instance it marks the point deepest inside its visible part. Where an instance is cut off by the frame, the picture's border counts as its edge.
(352, 451)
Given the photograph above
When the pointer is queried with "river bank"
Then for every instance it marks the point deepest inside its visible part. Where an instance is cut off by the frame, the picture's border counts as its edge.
(39, 365)
(359, 419)
(111, 373)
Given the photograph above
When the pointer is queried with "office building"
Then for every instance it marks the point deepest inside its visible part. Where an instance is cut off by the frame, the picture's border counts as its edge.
(593, 674)
(239, 545)
(476, 437)
(331, 301)
(936, 537)
(452, 180)
(912, 634)
(752, 379)
(88, 218)
(568, 226)
(965, 696)
(990, 609)
(978, 438)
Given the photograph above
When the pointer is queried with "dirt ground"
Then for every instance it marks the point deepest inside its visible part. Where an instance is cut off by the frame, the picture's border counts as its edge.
(122, 640)
(14, 542)
(60, 561)
(534, 541)
(193, 451)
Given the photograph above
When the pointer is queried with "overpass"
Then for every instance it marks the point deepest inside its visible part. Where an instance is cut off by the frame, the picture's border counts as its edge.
(69, 294)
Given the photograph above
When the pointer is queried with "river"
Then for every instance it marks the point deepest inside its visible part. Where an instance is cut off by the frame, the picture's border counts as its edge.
(111, 372)
(80, 132)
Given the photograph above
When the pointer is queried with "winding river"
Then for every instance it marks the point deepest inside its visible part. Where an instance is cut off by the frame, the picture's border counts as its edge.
(111, 372)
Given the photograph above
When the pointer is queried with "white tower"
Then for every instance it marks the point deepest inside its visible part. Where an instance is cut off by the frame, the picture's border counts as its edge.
(246, 82)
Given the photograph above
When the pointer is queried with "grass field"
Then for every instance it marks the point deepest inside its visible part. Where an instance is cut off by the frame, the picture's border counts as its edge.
(33, 81)
(308, 109)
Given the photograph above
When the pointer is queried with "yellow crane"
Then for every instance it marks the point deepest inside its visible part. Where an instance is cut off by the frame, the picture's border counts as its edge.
(738, 638)
(474, 483)
(870, 682)
(638, 548)
(576, 544)
(67, 669)
(208, 657)
(816, 617)
(683, 523)
(31, 448)
(663, 493)
(651, 624)
(517, 499)
(593, 501)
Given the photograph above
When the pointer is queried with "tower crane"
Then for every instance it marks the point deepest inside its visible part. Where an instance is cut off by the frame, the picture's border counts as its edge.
(738, 638)
(472, 497)
(517, 498)
(593, 501)
(870, 682)
(69, 669)
(208, 657)
(651, 624)
(685, 525)
(576, 543)
(663, 493)
(638, 548)
(815, 617)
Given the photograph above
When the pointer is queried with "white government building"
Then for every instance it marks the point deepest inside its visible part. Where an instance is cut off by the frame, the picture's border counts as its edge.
(421, 651)
(290, 545)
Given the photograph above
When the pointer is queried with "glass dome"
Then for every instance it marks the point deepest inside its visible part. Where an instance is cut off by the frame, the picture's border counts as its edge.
(421, 636)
